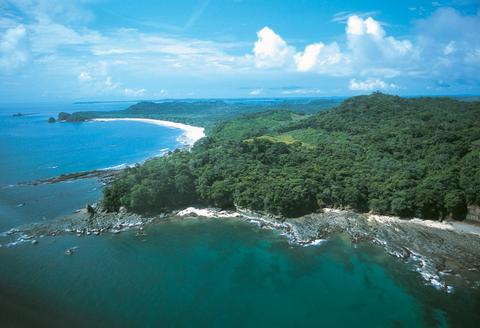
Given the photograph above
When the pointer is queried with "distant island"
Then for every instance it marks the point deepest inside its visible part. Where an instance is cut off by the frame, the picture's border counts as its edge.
(22, 114)
(379, 153)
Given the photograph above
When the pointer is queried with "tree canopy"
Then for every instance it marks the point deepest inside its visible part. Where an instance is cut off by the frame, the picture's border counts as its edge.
(381, 153)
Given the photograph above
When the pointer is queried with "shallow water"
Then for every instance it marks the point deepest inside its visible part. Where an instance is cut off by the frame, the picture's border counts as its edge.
(191, 272)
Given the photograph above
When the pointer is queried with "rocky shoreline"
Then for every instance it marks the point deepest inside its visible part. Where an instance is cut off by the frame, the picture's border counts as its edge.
(92, 220)
(442, 255)
(104, 175)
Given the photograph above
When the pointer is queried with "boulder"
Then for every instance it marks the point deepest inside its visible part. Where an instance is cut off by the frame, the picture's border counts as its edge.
(90, 210)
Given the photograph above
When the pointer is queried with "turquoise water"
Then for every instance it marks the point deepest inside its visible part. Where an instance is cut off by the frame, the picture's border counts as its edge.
(209, 272)
(184, 273)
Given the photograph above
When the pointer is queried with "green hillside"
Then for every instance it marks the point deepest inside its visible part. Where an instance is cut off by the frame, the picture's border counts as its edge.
(207, 113)
(391, 155)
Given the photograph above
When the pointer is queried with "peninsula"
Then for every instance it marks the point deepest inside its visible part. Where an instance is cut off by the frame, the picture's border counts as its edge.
(379, 153)
(377, 168)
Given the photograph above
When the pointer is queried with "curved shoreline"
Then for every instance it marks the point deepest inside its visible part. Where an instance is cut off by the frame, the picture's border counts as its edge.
(191, 134)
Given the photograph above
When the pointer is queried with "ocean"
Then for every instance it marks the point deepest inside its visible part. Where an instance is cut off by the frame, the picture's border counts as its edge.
(193, 272)
(32, 149)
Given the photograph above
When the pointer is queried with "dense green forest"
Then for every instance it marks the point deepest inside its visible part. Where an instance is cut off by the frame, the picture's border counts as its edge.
(381, 153)
(207, 113)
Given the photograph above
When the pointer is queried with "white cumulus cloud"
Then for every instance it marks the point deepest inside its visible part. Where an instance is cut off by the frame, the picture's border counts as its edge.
(320, 58)
(60, 47)
(270, 49)
(306, 61)
(13, 51)
(359, 26)
(370, 48)
(370, 84)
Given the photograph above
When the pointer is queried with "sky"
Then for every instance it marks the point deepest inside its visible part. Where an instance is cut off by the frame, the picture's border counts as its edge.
(61, 50)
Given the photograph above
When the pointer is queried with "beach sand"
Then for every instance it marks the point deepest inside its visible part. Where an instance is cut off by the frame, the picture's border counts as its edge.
(190, 133)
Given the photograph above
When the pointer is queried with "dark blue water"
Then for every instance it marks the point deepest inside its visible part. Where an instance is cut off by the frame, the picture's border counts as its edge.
(31, 149)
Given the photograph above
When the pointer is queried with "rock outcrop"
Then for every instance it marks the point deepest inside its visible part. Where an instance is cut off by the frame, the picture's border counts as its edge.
(473, 213)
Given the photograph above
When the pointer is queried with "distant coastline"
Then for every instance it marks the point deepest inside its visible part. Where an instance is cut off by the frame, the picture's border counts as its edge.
(190, 133)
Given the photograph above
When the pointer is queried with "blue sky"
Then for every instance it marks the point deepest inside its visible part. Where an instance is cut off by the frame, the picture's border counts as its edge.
(98, 50)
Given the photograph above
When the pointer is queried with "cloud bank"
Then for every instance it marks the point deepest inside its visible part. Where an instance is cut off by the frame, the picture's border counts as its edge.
(51, 41)
(444, 45)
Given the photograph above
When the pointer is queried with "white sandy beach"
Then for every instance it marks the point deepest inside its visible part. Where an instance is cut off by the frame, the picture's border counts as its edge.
(190, 133)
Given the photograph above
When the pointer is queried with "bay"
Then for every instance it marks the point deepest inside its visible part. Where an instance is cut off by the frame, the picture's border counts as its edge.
(31, 149)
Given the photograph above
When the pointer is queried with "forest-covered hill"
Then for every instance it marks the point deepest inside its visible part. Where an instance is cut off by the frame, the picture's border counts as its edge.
(207, 113)
(381, 153)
